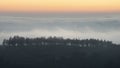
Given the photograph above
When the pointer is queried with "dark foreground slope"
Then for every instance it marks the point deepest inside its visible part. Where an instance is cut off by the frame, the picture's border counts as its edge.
(59, 57)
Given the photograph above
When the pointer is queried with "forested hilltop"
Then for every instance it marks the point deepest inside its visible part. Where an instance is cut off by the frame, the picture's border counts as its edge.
(57, 52)
(17, 41)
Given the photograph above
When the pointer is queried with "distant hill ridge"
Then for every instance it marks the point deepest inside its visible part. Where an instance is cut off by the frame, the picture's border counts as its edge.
(18, 41)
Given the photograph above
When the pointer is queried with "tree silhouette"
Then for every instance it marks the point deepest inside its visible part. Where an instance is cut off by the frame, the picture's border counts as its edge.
(54, 41)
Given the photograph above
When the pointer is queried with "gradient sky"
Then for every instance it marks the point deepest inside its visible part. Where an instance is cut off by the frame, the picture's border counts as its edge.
(59, 5)
(94, 25)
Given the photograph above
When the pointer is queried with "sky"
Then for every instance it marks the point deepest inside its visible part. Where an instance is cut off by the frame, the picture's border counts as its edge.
(59, 5)
(82, 19)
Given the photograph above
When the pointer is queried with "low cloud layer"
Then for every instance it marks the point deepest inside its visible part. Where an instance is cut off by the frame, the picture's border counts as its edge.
(100, 27)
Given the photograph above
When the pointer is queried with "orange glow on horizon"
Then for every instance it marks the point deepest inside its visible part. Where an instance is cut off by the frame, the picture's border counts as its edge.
(59, 5)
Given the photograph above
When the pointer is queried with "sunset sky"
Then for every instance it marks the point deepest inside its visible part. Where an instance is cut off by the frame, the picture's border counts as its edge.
(99, 19)
(59, 5)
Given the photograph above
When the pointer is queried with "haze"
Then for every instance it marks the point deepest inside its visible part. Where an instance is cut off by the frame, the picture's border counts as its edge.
(81, 26)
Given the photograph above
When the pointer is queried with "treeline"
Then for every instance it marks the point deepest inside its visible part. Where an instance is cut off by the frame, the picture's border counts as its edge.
(57, 52)
(18, 41)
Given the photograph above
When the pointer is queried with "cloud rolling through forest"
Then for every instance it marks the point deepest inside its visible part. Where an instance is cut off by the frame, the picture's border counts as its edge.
(82, 27)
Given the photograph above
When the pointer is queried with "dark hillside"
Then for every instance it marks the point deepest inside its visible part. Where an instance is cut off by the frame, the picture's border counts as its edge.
(60, 55)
